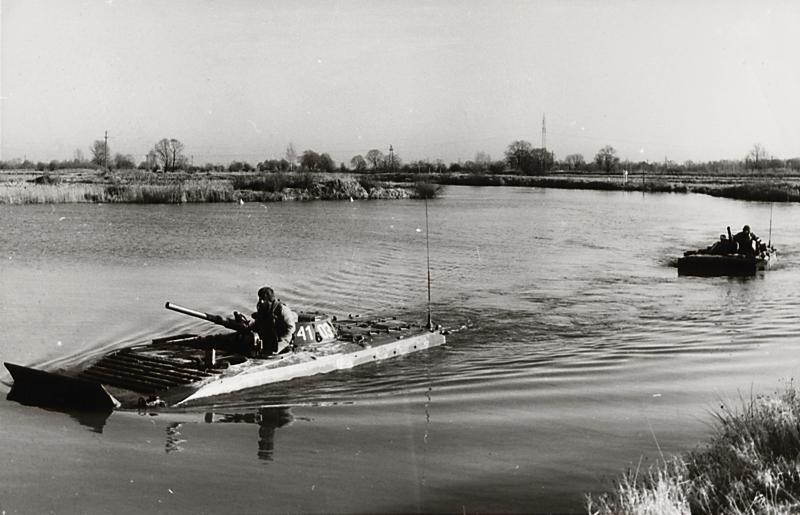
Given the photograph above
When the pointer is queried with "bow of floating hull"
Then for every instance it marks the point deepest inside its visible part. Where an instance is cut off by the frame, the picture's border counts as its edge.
(50, 389)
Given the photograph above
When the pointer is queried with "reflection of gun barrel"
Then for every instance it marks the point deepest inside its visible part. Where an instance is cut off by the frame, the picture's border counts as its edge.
(214, 319)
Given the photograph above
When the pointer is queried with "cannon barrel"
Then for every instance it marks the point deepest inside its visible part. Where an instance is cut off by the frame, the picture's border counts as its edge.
(214, 319)
(190, 312)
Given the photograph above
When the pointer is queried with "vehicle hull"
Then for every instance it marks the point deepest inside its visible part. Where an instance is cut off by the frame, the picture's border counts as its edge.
(186, 369)
(724, 265)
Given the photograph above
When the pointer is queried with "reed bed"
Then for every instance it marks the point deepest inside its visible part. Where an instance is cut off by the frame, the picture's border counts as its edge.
(751, 465)
(25, 193)
(763, 191)
(177, 193)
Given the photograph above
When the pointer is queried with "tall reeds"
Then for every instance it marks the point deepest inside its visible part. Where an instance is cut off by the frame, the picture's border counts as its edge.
(751, 464)
(25, 193)
(763, 191)
(176, 193)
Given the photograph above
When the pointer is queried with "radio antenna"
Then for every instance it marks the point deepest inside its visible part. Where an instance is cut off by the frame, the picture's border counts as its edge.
(428, 254)
(769, 242)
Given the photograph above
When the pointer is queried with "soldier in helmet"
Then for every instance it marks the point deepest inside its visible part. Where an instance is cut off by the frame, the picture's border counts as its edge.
(744, 241)
(273, 322)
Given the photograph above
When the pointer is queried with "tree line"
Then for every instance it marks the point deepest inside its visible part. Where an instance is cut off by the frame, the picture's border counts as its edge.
(520, 157)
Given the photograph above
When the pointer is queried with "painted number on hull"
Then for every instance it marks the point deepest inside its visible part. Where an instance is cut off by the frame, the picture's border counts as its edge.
(308, 333)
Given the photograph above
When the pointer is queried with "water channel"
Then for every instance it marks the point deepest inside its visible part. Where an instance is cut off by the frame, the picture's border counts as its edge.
(584, 352)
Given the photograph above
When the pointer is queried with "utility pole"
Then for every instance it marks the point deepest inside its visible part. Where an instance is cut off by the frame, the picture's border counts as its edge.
(391, 158)
(105, 150)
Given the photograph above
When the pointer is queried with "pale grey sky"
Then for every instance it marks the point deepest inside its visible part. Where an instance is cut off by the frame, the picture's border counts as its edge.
(697, 80)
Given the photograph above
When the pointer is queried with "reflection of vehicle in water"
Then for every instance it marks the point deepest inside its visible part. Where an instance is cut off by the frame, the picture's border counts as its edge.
(268, 420)
(729, 256)
(185, 368)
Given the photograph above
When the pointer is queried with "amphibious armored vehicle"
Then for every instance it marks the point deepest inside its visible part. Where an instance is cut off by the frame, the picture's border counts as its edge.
(181, 369)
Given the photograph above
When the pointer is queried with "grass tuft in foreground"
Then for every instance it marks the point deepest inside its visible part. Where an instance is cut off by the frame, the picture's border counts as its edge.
(750, 465)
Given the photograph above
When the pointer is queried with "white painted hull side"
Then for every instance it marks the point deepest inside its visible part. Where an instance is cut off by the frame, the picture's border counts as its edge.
(304, 364)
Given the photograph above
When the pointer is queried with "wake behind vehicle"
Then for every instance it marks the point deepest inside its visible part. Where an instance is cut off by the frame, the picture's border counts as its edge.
(181, 369)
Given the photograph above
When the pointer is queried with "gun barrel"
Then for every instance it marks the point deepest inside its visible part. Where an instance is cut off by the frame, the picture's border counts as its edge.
(230, 323)
(187, 311)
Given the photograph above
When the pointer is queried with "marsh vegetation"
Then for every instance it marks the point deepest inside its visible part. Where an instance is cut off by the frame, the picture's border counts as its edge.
(750, 464)
(147, 187)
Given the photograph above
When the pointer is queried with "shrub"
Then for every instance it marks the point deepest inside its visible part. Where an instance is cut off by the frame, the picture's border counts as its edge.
(271, 182)
(424, 189)
(368, 182)
(304, 180)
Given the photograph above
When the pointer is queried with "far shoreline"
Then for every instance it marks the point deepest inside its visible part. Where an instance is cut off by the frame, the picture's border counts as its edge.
(144, 187)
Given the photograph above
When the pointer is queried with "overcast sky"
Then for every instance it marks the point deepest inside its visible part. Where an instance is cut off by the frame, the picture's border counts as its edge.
(239, 80)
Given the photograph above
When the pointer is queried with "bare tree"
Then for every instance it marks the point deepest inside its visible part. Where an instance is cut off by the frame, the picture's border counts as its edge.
(169, 153)
(574, 161)
(606, 158)
(483, 160)
(123, 162)
(374, 157)
(358, 163)
(392, 162)
(151, 160)
(98, 150)
(291, 156)
(518, 154)
(757, 155)
(310, 160)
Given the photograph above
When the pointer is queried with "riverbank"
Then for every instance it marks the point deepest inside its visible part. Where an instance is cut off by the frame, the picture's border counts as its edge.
(142, 187)
(766, 185)
(136, 186)
(751, 464)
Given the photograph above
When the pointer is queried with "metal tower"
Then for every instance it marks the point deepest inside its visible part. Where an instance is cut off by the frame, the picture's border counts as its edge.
(544, 134)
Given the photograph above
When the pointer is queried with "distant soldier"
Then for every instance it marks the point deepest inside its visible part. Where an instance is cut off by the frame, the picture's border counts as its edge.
(720, 247)
(744, 241)
(273, 322)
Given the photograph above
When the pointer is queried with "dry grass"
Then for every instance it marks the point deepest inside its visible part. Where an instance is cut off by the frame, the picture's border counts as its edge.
(751, 465)
(26, 193)
(661, 491)
(177, 193)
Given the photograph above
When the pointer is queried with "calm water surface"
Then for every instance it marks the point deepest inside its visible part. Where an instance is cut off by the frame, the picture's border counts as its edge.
(584, 354)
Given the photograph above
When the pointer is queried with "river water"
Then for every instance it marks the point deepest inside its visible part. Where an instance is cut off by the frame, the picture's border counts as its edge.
(583, 354)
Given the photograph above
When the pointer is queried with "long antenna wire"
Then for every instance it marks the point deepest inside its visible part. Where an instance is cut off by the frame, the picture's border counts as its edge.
(428, 254)
(769, 241)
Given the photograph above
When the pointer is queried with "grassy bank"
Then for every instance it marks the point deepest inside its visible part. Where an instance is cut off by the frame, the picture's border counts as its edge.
(765, 185)
(201, 191)
(741, 188)
(143, 187)
(751, 464)
(137, 186)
